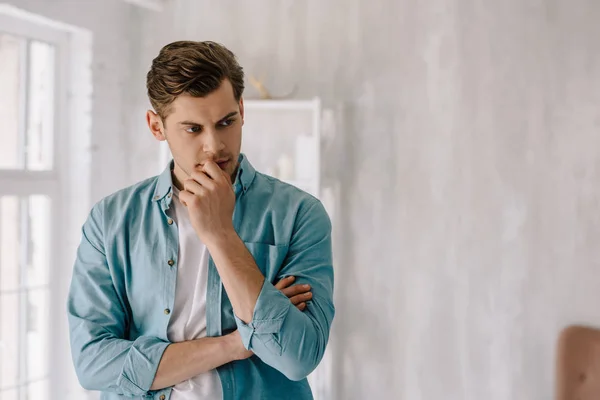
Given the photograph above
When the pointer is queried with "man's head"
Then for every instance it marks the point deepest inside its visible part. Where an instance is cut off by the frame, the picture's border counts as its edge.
(196, 91)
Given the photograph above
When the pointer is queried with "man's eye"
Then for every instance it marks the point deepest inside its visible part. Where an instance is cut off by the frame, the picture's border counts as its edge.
(227, 122)
(193, 129)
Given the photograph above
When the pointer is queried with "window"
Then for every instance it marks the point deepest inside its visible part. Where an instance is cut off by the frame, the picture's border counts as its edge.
(45, 100)
(30, 96)
(26, 103)
(24, 296)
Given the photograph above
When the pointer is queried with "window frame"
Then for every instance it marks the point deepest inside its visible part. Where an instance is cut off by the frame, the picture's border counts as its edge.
(67, 183)
(24, 183)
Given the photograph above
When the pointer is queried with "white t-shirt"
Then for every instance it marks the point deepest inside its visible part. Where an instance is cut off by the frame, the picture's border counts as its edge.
(188, 317)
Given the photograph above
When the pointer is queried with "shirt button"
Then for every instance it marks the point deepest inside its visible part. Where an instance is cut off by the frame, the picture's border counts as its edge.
(171, 262)
(167, 311)
(170, 221)
(162, 397)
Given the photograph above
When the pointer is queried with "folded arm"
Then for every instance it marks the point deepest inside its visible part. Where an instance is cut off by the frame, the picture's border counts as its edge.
(104, 360)
(289, 340)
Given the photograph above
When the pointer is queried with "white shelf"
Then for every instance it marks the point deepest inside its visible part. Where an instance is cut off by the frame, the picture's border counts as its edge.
(288, 132)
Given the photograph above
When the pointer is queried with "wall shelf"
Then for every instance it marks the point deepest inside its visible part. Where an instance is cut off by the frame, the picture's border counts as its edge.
(282, 138)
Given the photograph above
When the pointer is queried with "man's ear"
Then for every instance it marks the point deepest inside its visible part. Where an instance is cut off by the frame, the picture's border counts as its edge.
(155, 124)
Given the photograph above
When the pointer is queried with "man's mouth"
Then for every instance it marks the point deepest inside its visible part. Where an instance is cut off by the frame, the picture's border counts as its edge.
(222, 163)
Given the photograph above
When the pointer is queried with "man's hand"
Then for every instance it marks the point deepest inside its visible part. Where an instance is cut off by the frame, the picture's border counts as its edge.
(209, 198)
(298, 294)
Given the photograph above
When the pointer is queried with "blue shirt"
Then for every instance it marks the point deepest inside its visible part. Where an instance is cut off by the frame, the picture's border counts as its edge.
(123, 288)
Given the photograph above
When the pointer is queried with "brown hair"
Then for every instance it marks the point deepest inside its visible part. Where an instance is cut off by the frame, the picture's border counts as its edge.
(195, 68)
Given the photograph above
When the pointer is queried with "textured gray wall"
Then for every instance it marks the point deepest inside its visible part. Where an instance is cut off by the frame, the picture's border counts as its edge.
(468, 162)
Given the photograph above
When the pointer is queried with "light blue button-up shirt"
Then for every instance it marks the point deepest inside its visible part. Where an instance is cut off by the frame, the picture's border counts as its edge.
(123, 288)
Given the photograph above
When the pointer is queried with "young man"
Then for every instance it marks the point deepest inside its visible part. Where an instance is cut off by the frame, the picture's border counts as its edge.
(182, 285)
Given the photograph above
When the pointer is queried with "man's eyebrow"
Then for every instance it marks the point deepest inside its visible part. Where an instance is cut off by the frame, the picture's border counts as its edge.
(192, 123)
(189, 123)
(231, 114)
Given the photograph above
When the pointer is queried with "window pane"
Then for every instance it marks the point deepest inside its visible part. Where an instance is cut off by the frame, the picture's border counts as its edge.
(9, 340)
(39, 241)
(24, 294)
(10, 246)
(11, 85)
(27, 237)
(27, 76)
(38, 327)
(40, 110)
(38, 390)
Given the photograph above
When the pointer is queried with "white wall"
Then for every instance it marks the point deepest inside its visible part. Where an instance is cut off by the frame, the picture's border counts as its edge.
(468, 163)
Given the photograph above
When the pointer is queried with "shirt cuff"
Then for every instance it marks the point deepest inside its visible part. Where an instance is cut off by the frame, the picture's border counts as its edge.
(271, 308)
(141, 364)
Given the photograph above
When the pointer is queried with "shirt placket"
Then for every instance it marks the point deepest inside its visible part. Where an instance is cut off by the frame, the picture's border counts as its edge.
(169, 259)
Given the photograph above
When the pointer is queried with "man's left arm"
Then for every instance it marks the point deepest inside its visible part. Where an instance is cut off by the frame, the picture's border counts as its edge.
(289, 340)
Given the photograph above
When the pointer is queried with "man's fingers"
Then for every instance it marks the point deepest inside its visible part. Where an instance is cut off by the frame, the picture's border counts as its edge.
(192, 186)
(301, 306)
(296, 289)
(203, 180)
(285, 282)
(213, 170)
(301, 298)
(186, 198)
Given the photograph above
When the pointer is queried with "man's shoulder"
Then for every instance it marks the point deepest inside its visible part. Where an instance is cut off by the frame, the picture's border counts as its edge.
(300, 216)
(137, 193)
(288, 200)
(281, 192)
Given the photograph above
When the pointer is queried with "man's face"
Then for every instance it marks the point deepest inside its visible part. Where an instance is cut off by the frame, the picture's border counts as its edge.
(199, 129)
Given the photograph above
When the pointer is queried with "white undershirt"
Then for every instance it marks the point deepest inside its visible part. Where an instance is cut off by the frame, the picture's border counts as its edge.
(188, 317)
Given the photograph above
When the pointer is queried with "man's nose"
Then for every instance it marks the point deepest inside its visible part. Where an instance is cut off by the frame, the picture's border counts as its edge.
(213, 143)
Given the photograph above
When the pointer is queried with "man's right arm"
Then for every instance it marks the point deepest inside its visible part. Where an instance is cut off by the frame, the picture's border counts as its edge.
(185, 360)
(98, 319)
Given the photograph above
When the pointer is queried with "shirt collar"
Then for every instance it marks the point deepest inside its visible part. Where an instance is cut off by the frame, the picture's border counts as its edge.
(243, 180)
(245, 175)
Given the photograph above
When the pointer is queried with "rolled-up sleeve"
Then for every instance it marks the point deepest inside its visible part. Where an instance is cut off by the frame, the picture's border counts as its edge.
(97, 318)
(290, 340)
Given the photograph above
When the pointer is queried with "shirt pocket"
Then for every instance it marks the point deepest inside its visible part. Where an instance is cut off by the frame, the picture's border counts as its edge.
(269, 258)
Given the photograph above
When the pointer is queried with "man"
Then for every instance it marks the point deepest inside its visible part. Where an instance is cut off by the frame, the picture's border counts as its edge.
(182, 284)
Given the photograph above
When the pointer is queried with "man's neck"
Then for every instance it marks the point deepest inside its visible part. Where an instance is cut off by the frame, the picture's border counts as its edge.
(178, 176)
